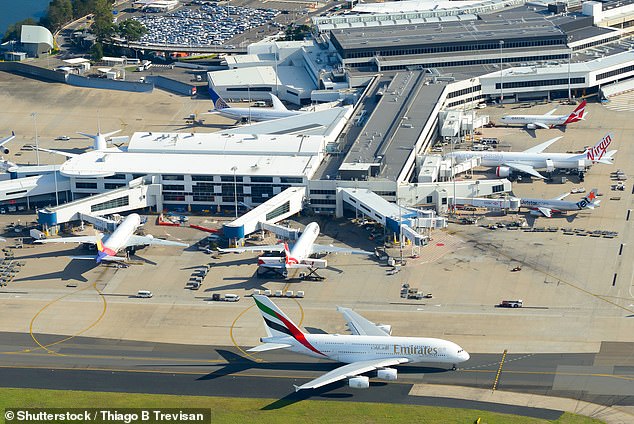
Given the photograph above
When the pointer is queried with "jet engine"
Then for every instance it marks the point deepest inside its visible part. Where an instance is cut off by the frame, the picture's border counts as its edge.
(531, 126)
(5, 150)
(385, 327)
(387, 374)
(359, 382)
(503, 171)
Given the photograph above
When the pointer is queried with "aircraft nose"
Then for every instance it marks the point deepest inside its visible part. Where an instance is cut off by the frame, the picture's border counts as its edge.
(466, 355)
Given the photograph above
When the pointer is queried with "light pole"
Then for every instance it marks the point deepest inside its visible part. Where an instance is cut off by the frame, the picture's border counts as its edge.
(501, 76)
(235, 189)
(569, 57)
(37, 143)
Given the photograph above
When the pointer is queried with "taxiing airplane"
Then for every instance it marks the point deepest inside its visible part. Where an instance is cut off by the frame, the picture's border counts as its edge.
(5, 140)
(547, 120)
(534, 158)
(547, 207)
(122, 237)
(299, 256)
(369, 348)
(251, 113)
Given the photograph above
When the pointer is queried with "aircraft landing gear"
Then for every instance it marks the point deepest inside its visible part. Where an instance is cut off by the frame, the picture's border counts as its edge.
(453, 368)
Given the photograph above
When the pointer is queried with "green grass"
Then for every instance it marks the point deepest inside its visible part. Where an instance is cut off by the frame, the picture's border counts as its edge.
(239, 410)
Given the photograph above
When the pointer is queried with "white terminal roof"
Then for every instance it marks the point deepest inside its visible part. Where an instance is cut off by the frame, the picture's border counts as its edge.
(204, 154)
(289, 76)
(411, 6)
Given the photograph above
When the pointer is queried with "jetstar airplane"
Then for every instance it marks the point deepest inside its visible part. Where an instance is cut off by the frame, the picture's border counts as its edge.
(4, 141)
(251, 113)
(369, 348)
(547, 120)
(299, 256)
(534, 158)
(547, 207)
(122, 237)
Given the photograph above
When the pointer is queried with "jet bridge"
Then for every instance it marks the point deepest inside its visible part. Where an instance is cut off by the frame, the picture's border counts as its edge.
(138, 194)
(279, 207)
(396, 218)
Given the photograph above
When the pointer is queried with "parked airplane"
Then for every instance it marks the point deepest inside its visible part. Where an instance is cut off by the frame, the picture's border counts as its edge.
(547, 120)
(251, 113)
(298, 256)
(100, 143)
(534, 158)
(547, 207)
(122, 237)
(369, 348)
(5, 140)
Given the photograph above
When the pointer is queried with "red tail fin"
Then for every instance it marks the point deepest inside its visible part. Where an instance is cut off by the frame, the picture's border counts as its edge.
(577, 114)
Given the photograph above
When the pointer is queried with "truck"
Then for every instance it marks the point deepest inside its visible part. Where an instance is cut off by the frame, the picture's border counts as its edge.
(229, 297)
(511, 303)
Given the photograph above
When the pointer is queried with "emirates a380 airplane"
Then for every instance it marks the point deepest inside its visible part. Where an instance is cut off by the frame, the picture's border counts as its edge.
(370, 347)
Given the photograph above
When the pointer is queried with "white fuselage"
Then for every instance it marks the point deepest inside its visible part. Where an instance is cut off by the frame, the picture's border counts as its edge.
(256, 113)
(120, 236)
(535, 160)
(354, 348)
(553, 204)
(550, 120)
(302, 249)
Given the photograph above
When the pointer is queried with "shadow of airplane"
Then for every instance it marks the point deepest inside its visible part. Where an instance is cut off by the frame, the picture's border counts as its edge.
(74, 270)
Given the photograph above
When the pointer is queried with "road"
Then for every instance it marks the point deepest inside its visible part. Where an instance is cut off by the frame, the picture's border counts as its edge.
(83, 363)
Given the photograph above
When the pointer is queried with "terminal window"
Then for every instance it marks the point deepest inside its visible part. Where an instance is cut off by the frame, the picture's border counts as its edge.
(85, 185)
(173, 177)
(110, 186)
(114, 203)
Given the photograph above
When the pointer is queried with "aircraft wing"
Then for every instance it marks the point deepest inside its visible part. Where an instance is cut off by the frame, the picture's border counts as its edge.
(7, 139)
(267, 248)
(152, 241)
(320, 248)
(268, 346)
(359, 325)
(546, 212)
(541, 147)
(541, 125)
(524, 168)
(57, 152)
(77, 239)
(551, 112)
(350, 370)
(562, 197)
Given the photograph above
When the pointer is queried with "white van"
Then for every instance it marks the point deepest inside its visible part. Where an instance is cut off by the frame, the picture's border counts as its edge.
(144, 294)
(230, 297)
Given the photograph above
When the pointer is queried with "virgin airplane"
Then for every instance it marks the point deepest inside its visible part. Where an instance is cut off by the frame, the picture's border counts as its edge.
(369, 348)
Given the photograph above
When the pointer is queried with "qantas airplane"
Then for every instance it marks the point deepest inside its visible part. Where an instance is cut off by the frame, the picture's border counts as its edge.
(370, 347)
(547, 207)
(299, 256)
(122, 237)
(534, 158)
(251, 113)
(5, 140)
(547, 120)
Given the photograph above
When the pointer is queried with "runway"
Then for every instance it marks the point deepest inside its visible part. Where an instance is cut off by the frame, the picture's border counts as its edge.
(84, 363)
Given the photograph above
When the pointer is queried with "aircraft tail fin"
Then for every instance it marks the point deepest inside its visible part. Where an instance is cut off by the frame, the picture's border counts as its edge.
(598, 152)
(578, 114)
(218, 101)
(590, 201)
(103, 251)
(277, 103)
(276, 321)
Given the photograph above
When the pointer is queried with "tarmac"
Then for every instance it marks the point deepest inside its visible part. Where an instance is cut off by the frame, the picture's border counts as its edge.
(577, 290)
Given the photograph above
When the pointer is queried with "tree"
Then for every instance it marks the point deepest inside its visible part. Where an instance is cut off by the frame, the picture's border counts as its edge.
(59, 13)
(131, 30)
(13, 31)
(96, 52)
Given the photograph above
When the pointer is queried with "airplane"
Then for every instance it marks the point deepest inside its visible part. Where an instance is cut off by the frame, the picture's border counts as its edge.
(100, 143)
(534, 158)
(547, 120)
(5, 140)
(122, 237)
(251, 113)
(547, 207)
(370, 347)
(299, 256)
